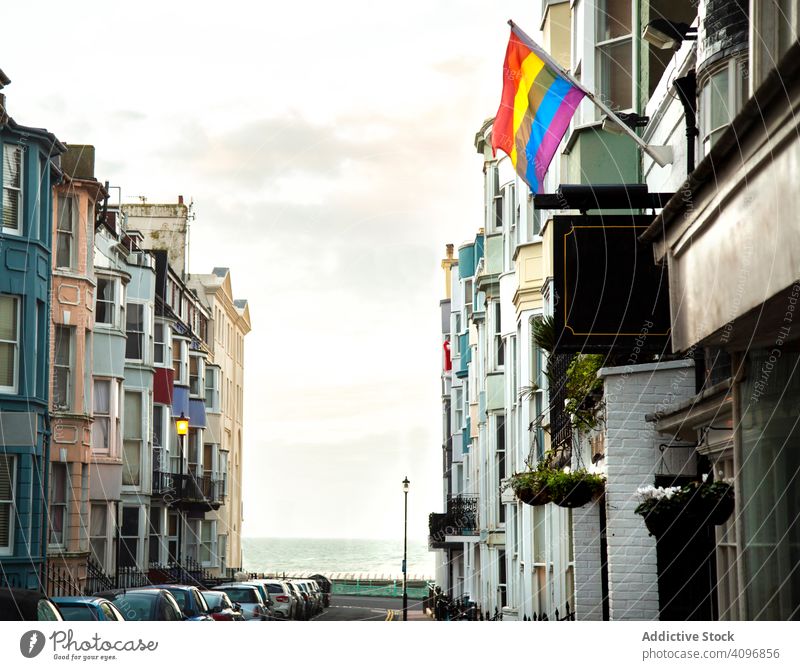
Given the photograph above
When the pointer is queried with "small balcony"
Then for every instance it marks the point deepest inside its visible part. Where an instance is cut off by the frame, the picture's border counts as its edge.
(189, 492)
(458, 524)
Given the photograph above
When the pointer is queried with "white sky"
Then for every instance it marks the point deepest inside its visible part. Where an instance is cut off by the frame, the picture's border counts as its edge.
(328, 149)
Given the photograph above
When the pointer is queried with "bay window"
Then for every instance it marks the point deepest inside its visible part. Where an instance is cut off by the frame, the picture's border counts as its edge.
(66, 226)
(161, 343)
(134, 330)
(721, 97)
(62, 368)
(105, 427)
(129, 537)
(180, 361)
(196, 382)
(9, 343)
(132, 439)
(12, 189)
(59, 484)
(98, 534)
(105, 310)
(8, 481)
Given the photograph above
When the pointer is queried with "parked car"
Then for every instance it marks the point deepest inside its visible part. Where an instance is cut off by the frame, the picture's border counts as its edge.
(26, 605)
(269, 605)
(326, 587)
(190, 600)
(310, 602)
(248, 597)
(145, 604)
(221, 607)
(299, 599)
(283, 603)
(87, 608)
(315, 594)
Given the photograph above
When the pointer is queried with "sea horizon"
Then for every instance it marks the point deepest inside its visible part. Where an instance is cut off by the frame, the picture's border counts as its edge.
(335, 555)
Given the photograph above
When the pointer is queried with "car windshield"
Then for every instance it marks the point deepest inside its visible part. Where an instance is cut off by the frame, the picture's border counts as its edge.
(239, 595)
(214, 599)
(78, 612)
(45, 611)
(137, 606)
(184, 598)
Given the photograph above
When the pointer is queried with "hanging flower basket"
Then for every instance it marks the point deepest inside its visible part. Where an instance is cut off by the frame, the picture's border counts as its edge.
(531, 487)
(574, 488)
(579, 494)
(534, 495)
(684, 509)
(718, 502)
(562, 487)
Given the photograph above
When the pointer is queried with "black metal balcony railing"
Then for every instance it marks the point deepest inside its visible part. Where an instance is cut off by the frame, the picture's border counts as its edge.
(461, 518)
(189, 488)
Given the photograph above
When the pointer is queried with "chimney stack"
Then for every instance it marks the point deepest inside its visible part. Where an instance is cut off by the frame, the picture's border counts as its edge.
(180, 199)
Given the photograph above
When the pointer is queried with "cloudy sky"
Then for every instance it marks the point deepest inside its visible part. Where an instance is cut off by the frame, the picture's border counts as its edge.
(327, 147)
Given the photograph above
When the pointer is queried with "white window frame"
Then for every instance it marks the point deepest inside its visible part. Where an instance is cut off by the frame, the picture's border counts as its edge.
(211, 545)
(458, 408)
(736, 92)
(142, 439)
(134, 305)
(11, 464)
(18, 232)
(64, 506)
(165, 344)
(115, 302)
(66, 368)
(13, 389)
(114, 394)
(181, 345)
(601, 55)
(106, 535)
(212, 375)
(70, 233)
(200, 389)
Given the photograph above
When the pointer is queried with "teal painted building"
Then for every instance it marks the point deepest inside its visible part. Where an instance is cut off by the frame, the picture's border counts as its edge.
(29, 160)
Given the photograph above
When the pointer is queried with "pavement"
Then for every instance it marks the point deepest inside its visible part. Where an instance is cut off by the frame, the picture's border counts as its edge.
(365, 608)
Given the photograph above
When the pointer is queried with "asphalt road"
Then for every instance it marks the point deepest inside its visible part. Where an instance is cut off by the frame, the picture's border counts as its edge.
(359, 608)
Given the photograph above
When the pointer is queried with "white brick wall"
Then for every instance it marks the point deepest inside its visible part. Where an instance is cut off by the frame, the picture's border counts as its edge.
(586, 552)
(632, 460)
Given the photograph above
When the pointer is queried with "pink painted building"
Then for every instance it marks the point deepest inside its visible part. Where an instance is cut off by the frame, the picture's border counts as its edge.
(72, 312)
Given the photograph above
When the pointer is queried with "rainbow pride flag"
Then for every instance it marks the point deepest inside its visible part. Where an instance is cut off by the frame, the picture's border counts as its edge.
(537, 105)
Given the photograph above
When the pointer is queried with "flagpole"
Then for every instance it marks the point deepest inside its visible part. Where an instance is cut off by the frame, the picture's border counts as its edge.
(650, 151)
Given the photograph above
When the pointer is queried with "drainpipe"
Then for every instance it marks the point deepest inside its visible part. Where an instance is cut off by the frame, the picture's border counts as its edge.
(45, 497)
(687, 93)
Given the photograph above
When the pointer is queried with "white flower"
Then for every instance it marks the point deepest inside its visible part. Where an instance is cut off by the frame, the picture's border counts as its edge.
(705, 476)
(566, 470)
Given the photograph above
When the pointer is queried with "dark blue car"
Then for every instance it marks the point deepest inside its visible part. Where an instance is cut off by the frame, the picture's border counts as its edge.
(87, 608)
(190, 600)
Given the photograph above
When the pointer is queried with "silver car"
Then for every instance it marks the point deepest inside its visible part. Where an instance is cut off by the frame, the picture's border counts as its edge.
(282, 601)
(248, 597)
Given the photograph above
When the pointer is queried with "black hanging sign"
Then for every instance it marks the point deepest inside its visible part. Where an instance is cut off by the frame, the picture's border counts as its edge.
(610, 296)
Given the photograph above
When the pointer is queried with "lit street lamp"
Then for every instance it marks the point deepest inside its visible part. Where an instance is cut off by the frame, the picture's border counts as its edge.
(405, 550)
(182, 428)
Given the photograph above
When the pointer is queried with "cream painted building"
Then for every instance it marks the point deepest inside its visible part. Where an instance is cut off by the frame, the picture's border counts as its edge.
(224, 405)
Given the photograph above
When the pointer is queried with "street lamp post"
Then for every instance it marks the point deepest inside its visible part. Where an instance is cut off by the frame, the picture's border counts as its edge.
(181, 427)
(405, 549)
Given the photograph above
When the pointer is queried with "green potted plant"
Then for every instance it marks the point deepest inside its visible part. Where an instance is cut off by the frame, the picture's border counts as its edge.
(574, 488)
(531, 487)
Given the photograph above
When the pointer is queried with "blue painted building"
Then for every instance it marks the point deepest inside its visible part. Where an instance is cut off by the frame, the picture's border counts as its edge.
(29, 160)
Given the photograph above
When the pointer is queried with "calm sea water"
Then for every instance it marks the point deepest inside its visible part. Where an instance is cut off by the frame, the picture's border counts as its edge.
(317, 555)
